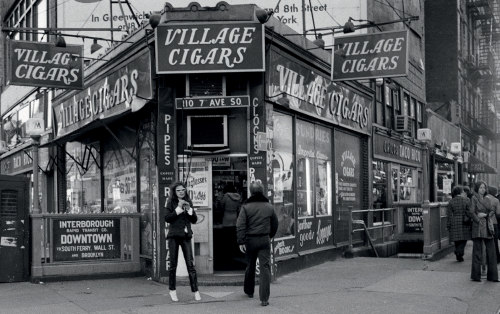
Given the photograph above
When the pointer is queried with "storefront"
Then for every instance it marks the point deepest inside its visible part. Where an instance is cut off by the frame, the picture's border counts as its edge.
(446, 168)
(318, 157)
(398, 180)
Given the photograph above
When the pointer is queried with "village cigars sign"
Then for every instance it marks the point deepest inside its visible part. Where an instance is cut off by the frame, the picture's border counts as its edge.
(209, 47)
(303, 89)
(370, 56)
(45, 65)
(112, 95)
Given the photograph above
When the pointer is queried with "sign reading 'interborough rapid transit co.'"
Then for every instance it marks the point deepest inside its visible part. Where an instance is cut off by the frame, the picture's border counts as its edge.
(209, 47)
(44, 64)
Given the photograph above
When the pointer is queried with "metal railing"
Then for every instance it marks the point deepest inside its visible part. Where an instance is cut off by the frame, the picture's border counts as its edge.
(362, 221)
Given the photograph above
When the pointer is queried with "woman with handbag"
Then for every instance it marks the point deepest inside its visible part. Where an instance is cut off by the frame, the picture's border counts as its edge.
(458, 227)
(482, 232)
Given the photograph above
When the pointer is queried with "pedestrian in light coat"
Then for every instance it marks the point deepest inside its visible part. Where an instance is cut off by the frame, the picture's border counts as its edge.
(458, 207)
(257, 224)
(482, 232)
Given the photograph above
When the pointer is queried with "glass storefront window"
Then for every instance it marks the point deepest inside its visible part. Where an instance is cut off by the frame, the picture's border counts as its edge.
(323, 188)
(283, 174)
(83, 187)
(148, 197)
(379, 184)
(119, 169)
(305, 167)
(405, 181)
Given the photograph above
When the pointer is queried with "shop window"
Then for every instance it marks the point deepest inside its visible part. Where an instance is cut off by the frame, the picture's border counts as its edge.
(119, 169)
(283, 174)
(379, 184)
(304, 132)
(323, 188)
(405, 181)
(83, 177)
(147, 183)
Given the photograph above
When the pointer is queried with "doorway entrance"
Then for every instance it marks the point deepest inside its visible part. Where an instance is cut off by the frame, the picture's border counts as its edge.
(14, 229)
(229, 186)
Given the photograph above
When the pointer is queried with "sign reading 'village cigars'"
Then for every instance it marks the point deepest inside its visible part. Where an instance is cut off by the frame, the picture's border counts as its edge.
(112, 95)
(370, 56)
(209, 47)
(44, 64)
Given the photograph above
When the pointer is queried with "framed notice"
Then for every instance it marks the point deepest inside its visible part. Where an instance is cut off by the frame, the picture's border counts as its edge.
(78, 239)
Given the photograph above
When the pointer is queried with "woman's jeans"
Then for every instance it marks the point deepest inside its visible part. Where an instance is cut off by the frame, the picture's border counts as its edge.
(173, 247)
(491, 259)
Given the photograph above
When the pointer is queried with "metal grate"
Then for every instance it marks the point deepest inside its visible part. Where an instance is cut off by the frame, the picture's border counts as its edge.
(8, 204)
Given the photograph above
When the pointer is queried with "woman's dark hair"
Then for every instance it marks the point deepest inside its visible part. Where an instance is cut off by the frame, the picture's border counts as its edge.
(173, 195)
(456, 191)
(478, 185)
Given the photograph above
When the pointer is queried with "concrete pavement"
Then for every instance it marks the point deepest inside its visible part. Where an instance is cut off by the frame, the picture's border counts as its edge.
(358, 285)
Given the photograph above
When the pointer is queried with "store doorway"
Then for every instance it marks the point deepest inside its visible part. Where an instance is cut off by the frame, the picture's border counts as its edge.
(229, 186)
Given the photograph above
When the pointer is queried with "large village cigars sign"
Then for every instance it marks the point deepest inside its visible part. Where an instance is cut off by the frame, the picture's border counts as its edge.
(209, 47)
(127, 88)
(45, 65)
(370, 56)
(303, 89)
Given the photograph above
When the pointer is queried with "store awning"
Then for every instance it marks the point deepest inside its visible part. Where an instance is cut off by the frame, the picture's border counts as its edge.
(476, 165)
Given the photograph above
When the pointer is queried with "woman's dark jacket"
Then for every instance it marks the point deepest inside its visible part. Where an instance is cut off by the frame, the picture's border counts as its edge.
(177, 223)
(256, 218)
(458, 207)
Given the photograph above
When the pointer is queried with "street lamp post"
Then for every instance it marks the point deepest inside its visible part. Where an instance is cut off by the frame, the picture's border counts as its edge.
(34, 128)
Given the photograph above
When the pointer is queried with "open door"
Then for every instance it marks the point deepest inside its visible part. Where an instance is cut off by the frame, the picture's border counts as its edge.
(14, 229)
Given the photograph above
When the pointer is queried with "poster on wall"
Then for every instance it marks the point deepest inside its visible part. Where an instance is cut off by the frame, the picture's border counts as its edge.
(196, 175)
(347, 181)
(86, 239)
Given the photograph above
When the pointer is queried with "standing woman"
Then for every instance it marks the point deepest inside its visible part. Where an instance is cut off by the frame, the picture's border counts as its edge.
(458, 207)
(482, 232)
(180, 215)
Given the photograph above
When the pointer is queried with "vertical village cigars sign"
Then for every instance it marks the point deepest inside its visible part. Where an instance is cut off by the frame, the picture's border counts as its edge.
(209, 47)
(370, 56)
(310, 92)
(44, 64)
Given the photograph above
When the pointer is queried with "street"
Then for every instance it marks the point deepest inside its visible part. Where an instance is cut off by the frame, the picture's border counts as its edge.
(358, 285)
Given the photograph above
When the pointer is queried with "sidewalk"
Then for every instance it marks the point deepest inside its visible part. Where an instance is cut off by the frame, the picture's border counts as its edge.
(358, 285)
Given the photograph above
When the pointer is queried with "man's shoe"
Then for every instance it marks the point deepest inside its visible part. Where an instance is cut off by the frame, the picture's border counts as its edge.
(197, 296)
(173, 295)
(495, 280)
(478, 280)
(250, 295)
(460, 259)
(264, 303)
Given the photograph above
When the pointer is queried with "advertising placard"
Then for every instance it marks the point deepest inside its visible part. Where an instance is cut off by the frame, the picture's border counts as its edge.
(387, 148)
(209, 47)
(196, 175)
(370, 56)
(45, 65)
(86, 239)
(413, 219)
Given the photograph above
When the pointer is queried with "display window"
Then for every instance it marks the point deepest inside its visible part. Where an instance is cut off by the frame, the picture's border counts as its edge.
(304, 132)
(406, 184)
(379, 181)
(444, 179)
(83, 178)
(283, 174)
(148, 197)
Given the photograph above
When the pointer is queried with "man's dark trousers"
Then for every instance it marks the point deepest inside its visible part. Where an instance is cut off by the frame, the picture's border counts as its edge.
(258, 247)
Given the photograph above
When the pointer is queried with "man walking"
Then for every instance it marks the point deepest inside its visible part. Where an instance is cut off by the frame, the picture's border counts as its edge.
(256, 225)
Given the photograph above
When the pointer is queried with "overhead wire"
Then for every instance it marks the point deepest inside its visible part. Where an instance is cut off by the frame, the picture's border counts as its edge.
(331, 16)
